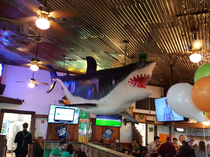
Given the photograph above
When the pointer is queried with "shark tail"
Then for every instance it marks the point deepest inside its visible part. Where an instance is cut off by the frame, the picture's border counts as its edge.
(53, 75)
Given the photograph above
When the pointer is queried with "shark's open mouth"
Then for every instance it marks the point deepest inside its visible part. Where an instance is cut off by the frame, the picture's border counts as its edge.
(139, 80)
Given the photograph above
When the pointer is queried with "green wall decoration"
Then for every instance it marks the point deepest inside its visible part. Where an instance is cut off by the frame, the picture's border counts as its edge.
(142, 57)
(141, 116)
(151, 129)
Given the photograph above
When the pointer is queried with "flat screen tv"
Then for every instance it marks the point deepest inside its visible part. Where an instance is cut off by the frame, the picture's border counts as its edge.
(63, 114)
(164, 113)
(109, 120)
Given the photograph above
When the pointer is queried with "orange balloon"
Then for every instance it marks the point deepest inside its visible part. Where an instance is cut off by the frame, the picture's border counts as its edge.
(201, 94)
(208, 116)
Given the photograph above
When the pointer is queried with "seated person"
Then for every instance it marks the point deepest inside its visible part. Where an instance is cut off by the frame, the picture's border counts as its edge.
(124, 150)
(38, 148)
(101, 141)
(58, 151)
(113, 147)
(170, 155)
(78, 149)
(145, 153)
(69, 151)
(135, 149)
(118, 147)
(75, 153)
(81, 154)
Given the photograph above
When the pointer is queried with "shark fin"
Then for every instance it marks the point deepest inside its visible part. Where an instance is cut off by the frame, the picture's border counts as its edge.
(67, 74)
(85, 105)
(128, 116)
(53, 75)
(65, 97)
(91, 64)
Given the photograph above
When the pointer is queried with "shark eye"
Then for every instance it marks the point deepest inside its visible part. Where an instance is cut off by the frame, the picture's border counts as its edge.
(113, 82)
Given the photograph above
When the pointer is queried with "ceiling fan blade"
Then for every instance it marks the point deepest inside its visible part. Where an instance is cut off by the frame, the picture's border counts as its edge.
(59, 28)
(63, 14)
(35, 84)
(25, 65)
(42, 83)
(11, 20)
(19, 21)
(30, 6)
(44, 67)
(27, 19)
(45, 62)
(22, 81)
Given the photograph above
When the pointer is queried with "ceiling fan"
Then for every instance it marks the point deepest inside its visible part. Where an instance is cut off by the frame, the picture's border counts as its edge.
(35, 63)
(44, 17)
(32, 82)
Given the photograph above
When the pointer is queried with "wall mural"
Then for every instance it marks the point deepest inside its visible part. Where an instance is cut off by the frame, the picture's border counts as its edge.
(106, 92)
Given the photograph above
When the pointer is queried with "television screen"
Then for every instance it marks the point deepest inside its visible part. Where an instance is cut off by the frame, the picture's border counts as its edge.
(109, 120)
(164, 113)
(63, 114)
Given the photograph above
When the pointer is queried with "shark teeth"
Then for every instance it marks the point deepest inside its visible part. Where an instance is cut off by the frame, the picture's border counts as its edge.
(139, 80)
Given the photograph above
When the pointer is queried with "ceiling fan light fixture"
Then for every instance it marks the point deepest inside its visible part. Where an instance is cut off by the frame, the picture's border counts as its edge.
(197, 44)
(34, 67)
(195, 57)
(42, 23)
(31, 85)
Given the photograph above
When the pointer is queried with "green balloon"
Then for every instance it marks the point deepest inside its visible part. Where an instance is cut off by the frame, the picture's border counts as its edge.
(201, 72)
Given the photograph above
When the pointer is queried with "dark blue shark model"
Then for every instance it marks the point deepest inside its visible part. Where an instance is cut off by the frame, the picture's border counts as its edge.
(109, 91)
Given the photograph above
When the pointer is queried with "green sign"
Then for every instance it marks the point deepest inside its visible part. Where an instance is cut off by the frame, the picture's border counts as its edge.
(151, 129)
(142, 57)
(84, 126)
(84, 115)
(141, 116)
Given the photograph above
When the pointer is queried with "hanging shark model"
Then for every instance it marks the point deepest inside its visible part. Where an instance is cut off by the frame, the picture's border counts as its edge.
(106, 92)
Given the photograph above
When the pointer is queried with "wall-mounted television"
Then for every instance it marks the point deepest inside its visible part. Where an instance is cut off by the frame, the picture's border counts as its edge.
(164, 113)
(109, 120)
(63, 114)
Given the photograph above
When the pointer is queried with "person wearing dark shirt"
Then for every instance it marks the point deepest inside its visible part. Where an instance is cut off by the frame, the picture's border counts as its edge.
(167, 148)
(22, 138)
(38, 148)
(186, 149)
(81, 154)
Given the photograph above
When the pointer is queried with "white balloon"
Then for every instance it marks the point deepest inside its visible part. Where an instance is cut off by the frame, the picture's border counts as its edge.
(180, 101)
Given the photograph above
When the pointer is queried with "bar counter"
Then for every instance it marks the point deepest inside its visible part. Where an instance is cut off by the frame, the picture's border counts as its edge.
(92, 150)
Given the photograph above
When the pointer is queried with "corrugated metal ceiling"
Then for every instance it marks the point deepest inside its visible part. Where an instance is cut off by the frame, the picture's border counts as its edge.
(163, 29)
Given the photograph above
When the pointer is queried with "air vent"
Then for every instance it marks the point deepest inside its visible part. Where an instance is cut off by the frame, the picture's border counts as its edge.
(144, 104)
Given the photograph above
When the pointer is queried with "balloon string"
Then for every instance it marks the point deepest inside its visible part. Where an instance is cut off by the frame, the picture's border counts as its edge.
(205, 141)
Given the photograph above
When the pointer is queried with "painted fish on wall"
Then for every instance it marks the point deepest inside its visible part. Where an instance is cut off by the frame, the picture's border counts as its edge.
(106, 92)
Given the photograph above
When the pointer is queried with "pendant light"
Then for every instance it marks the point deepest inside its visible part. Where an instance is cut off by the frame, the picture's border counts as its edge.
(195, 57)
(34, 66)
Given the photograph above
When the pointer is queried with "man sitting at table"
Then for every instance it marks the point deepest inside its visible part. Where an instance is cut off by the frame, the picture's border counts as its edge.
(57, 151)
